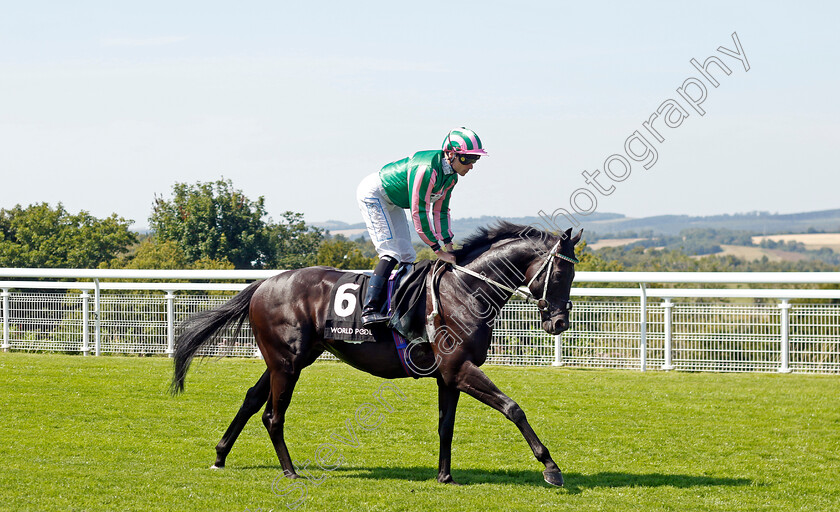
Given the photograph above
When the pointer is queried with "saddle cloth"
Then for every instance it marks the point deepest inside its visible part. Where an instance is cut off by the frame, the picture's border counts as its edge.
(344, 318)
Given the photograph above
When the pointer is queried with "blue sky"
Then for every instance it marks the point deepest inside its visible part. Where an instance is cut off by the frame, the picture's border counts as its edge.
(103, 105)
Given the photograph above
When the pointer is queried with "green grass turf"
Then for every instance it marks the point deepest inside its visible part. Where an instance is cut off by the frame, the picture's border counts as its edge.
(103, 434)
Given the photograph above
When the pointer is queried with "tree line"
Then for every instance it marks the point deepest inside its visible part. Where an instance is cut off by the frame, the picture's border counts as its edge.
(213, 225)
(205, 225)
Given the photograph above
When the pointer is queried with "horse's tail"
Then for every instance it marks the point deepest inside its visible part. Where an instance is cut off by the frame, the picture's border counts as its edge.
(204, 326)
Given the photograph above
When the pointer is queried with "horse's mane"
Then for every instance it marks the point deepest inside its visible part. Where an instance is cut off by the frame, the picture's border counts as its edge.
(477, 243)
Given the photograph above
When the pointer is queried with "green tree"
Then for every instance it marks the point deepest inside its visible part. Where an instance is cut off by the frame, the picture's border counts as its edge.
(592, 262)
(367, 247)
(424, 252)
(339, 252)
(155, 255)
(294, 244)
(214, 221)
(40, 236)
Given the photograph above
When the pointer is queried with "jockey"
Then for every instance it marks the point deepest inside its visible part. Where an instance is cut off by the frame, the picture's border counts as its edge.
(423, 184)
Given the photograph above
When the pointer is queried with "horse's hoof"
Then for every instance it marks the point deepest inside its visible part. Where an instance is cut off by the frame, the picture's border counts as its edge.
(554, 478)
(448, 480)
(216, 466)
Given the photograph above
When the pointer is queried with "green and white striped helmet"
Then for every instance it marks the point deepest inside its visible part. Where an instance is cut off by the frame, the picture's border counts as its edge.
(464, 142)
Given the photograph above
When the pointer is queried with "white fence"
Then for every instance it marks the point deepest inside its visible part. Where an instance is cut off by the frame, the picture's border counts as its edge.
(640, 327)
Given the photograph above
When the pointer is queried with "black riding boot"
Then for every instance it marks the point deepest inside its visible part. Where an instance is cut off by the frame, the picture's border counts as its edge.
(373, 311)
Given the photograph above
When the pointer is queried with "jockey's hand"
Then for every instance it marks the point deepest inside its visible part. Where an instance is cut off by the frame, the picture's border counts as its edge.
(445, 256)
(450, 247)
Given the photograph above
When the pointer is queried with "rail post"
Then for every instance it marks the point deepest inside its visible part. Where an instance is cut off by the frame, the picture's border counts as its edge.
(643, 327)
(97, 341)
(558, 351)
(170, 323)
(85, 323)
(6, 344)
(669, 334)
(785, 307)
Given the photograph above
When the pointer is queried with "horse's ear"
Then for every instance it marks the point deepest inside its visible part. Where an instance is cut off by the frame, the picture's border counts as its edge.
(567, 234)
(576, 239)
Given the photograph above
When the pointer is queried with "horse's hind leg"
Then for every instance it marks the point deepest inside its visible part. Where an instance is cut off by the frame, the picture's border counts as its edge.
(254, 400)
(282, 387)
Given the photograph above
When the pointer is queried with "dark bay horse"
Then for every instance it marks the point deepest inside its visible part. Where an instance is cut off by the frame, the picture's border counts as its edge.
(287, 314)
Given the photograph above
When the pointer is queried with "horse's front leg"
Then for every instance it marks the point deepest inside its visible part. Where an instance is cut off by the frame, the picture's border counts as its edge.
(471, 380)
(447, 403)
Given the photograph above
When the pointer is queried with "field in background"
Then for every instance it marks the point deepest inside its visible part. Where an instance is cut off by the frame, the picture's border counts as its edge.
(613, 242)
(747, 253)
(103, 434)
(351, 233)
(812, 241)
(756, 253)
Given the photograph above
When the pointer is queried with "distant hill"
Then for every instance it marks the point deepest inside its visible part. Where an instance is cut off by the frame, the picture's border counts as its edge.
(760, 223)
(605, 225)
(337, 225)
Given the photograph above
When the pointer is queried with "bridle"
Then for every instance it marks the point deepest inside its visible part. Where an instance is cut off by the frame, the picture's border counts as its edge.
(542, 303)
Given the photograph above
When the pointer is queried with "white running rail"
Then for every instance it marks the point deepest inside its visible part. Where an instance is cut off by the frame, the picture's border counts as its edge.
(655, 320)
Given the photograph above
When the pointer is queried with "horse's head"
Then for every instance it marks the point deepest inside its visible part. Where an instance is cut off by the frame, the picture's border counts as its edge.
(544, 262)
(552, 277)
